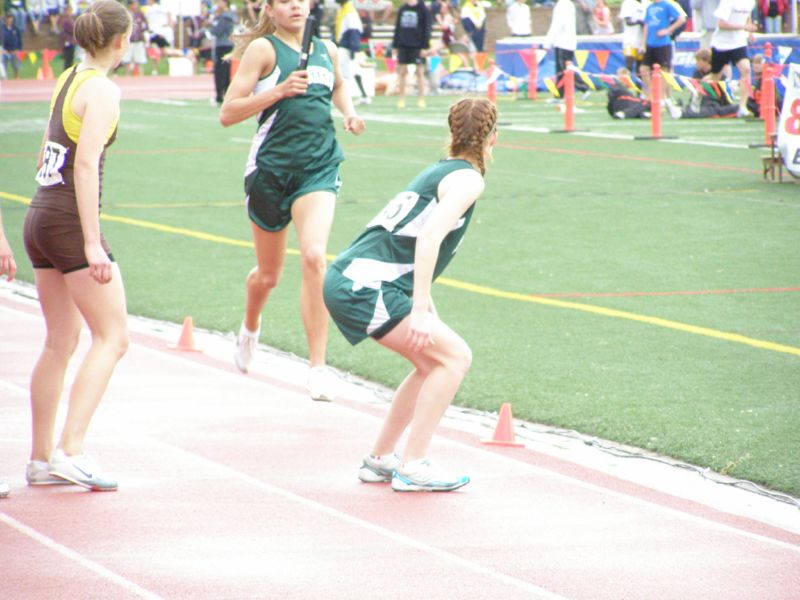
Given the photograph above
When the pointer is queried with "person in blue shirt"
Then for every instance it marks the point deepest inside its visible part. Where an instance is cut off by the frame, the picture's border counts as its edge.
(661, 20)
(12, 43)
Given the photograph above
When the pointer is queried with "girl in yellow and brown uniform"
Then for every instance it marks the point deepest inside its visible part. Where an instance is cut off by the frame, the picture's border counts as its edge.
(76, 277)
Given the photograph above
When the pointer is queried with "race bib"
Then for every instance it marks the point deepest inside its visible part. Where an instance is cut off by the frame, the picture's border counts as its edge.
(395, 211)
(53, 160)
(789, 127)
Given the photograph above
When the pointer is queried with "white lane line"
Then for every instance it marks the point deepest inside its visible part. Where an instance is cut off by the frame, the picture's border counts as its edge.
(78, 558)
(483, 452)
(382, 531)
(14, 388)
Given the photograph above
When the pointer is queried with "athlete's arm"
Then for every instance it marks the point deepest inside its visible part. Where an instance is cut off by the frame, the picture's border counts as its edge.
(7, 264)
(456, 193)
(240, 102)
(341, 96)
(97, 103)
(40, 160)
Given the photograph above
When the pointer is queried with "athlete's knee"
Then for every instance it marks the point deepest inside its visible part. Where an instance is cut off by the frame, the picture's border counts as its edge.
(313, 259)
(115, 341)
(459, 359)
(263, 280)
(62, 343)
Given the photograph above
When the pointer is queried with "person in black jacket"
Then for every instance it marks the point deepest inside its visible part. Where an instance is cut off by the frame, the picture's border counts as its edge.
(222, 27)
(412, 36)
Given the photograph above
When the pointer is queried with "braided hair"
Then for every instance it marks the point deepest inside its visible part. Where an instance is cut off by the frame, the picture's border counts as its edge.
(471, 121)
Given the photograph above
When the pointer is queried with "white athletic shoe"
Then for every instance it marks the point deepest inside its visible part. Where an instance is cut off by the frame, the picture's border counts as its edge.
(246, 344)
(420, 476)
(5, 489)
(378, 469)
(37, 473)
(321, 385)
(743, 113)
(81, 470)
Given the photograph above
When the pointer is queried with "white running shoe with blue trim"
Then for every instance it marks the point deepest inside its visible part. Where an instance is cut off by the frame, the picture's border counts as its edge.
(420, 476)
(5, 489)
(37, 472)
(378, 469)
(80, 470)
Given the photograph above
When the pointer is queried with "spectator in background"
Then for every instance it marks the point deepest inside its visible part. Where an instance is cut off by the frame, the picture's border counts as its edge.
(252, 9)
(68, 36)
(473, 20)
(562, 38)
(622, 103)
(703, 106)
(222, 26)
(52, 10)
(631, 13)
(772, 12)
(36, 13)
(708, 22)
(19, 10)
(317, 10)
(584, 23)
(447, 23)
(12, 44)
(661, 20)
(754, 101)
(602, 18)
(136, 56)
(412, 37)
(735, 29)
(518, 18)
(347, 33)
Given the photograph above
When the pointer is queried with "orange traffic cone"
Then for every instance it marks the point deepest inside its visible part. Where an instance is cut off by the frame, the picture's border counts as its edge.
(186, 341)
(504, 432)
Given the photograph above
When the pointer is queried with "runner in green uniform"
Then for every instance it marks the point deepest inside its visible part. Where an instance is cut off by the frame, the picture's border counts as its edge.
(292, 173)
(380, 287)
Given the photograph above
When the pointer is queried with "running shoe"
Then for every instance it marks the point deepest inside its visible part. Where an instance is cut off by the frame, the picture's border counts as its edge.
(81, 470)
(420, 476)
(37, 473)
(742, 113)
(321, 385)
(421, 103)
(5, 489)
(246, 344)
(378, 469)
(401, 104)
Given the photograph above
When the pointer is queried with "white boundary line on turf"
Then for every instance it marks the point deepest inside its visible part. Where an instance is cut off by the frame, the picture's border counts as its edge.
(12, 386)
(539, 470)
(96, 568)
(531, 129)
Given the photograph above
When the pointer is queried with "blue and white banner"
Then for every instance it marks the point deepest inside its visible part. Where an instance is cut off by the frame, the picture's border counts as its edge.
(789, 127)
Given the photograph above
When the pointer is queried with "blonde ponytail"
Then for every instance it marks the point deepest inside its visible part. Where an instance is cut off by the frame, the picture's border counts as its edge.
(263, 27)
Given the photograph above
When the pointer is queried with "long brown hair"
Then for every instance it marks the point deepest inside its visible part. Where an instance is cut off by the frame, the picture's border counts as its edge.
(96, 28)
(471, 121)
(263, 27)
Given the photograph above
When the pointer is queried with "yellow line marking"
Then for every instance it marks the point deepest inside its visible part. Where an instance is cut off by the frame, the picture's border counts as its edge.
(474, 288)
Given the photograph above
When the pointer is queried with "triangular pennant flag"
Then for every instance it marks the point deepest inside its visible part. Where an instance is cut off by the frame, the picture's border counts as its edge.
(587, 80)
(33, 57)
(527, 57)
(696, 84)
(480, 60)
(540, 54)
(455, 62)
(581, 56)
(435, 60)
(783, 53)
(670, 79)
(391, 64)
(602, 58)
(608, 80)
(551, 87)
(22, 55)
(629, 83)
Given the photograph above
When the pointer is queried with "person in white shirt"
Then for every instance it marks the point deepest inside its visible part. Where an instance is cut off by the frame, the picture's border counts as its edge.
(735, 29)
(631, 13)
(561, 36)
(704, 14)
(518, 17)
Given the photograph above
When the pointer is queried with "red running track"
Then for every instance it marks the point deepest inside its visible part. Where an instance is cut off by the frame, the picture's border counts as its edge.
(236, 486)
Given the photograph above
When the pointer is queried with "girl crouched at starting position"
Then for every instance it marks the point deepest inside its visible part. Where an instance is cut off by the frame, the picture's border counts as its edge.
(380, 287)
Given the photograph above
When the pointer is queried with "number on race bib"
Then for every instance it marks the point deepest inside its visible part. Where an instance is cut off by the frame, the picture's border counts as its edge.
(395, 211)
(793, 121)
(52, 161)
